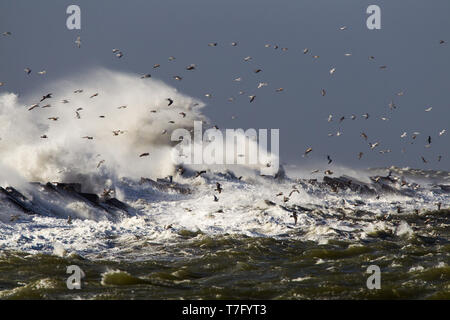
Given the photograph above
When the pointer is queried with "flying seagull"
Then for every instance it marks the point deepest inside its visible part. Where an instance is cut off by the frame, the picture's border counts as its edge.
(170, 101)
(47, 96)
(329, 159)
(146, 154)
(307, 151)
(78, 42)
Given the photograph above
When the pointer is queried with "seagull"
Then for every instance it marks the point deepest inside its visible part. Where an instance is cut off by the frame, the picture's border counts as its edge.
(442, 132)
(305, 51)
(78, 42)
(53, 118)
(429, 139)
(182, 114)
(1, 83)
(238, 79)
(88, 137)
(329, 159)
(100, 163)
(115, 50)
(258, 70)
(6, 33)
(360, 155)
(247, 58)
(27, 70)
(262, 84)
(328, 172)
(234, 44)
(119, 55)
(199, 173)
(145, 76)
(44, 136)
(171, 58)
(330, 118)
(69, 220)
(373, 145)
(157, 65)
(424, 160)
(252, 98)
(42, 72)
(47, 96)
(215, 198)
(323, 92)
(218, 188)
(392, 105)
(440, 41)
(279, 89)
(191, 67)
(212, 44)
(208, 95)
(78, 91)
(364, 135)
(343, 28)
(307, 151)
(332, 71)
(64, 101)
(428, 109)
(94, 95)
(33, 106)
(366, 115)
(177, 78)
(170, 101)
(404, 134)
(146, 154)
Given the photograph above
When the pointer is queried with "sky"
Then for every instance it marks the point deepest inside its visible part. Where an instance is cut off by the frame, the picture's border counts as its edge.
(148, 32)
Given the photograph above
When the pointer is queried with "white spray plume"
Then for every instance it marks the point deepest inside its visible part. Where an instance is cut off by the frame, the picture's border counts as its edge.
(66, 156)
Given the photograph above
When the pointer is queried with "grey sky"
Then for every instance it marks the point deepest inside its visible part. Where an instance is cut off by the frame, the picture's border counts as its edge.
(149, 32)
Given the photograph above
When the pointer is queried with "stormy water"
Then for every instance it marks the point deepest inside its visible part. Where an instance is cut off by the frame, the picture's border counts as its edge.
(88, 181)
(245, 246)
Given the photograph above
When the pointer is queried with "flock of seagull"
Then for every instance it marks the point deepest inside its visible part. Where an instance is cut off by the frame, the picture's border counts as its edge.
(119, 54)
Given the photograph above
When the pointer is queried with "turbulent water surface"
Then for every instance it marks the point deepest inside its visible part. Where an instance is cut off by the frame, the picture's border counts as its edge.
(173, 241)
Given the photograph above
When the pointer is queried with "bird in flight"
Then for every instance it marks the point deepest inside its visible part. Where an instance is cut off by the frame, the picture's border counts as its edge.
(47, 96)
(78, 42)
